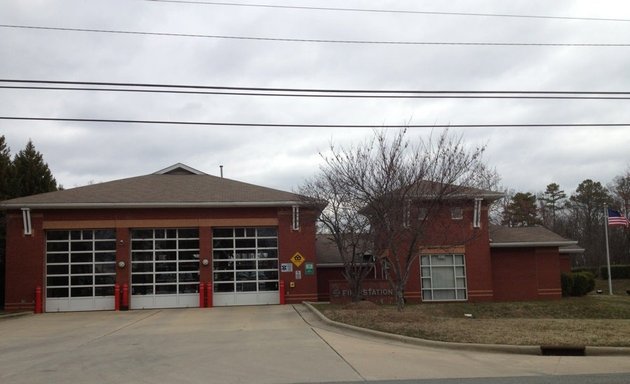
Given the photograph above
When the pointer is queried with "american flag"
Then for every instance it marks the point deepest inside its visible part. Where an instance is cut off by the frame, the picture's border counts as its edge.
(616, 218)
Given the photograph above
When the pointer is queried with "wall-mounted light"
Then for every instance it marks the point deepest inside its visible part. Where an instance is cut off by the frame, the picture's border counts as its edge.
(205, 262)
(121, 264)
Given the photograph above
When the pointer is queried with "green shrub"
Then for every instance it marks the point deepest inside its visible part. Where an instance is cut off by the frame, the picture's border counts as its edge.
(616, 272)
(583, 283)
(566, 281)
(577, 284)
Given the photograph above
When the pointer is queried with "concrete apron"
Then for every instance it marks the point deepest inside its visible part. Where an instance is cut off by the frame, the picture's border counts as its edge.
(267, 344)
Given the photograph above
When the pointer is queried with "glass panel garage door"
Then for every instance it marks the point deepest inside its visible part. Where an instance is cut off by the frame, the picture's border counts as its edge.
(245, 266)
(164, 268)
(80, 270)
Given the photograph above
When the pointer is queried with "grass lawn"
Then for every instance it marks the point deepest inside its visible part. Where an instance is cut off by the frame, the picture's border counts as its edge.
(593, 320)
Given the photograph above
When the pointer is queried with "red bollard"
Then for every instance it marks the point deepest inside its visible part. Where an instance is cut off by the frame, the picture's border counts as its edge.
(116, 297)
(281, 291)
(202, 292)
(209, 294)
(38, 299)
(125, 296)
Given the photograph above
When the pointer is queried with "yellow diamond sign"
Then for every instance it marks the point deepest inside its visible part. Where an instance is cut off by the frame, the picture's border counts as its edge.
(297, 259)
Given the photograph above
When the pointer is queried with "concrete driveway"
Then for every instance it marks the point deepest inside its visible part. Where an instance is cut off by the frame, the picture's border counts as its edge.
(268, 344)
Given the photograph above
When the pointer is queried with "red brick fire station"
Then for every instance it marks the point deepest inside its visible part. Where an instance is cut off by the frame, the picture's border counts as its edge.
(159, 237)
(183, 238)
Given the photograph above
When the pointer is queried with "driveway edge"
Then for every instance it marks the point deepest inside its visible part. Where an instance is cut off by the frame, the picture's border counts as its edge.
(496, 348)
(12, 315)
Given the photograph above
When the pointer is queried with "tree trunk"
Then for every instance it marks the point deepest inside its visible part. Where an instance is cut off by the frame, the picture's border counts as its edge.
(400, 297)
(355, 290)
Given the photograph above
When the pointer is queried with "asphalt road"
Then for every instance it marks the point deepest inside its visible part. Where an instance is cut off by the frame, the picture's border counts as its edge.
(267, 344)
(573, 379)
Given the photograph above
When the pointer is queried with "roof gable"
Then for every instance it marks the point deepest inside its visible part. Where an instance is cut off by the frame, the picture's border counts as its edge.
(179, 169)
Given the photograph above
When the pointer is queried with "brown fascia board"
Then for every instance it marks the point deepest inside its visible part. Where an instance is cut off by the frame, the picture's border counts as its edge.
(229, 204)
(527, 244)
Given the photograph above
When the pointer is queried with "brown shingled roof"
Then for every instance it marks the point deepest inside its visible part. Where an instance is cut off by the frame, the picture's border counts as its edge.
(159, 190)
(525, 237)
(326, 251)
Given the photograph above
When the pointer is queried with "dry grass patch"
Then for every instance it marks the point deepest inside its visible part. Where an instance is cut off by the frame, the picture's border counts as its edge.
(592, 320)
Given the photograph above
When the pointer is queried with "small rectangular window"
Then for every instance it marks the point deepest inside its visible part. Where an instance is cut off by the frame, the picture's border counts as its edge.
(457, 213)
(26, 219)
(296, 218)
(477, 214)
(422, 214)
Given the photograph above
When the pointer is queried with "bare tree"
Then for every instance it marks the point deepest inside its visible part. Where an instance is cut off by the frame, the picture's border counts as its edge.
(340, 218)
(399, 186)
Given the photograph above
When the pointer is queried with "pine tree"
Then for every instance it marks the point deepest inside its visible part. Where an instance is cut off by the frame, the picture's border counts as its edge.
(6, 170)
(521, 210)
(552, 200)
(32, 174)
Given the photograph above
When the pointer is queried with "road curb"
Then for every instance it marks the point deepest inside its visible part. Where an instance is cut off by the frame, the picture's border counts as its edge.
(496, 348)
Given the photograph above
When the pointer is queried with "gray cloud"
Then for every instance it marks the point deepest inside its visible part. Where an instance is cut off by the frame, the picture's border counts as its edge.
(527, 159)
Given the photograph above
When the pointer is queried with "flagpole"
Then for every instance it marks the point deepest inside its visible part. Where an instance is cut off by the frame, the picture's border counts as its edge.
(607, 249)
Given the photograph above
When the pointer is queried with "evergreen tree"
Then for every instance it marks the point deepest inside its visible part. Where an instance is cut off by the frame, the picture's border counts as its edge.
(6, 170)
(32, 174)
(521, 210)
(552, 201)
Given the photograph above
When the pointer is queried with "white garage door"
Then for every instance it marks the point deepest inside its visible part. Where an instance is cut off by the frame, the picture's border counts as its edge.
(164, 268)
(245, 266)
(80, 270)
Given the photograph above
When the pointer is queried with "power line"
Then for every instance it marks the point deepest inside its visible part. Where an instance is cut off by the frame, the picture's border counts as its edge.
(273, 125)
(331, 41)
(312, 95)
(300, 90)
(401, 11)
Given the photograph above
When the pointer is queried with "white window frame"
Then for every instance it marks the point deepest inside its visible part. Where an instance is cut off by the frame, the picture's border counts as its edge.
(258, 254)
(460, 289)
(477, 213)
(162, 234)
(457, 213)
(95, 264)
(295, 218)
(26, 220)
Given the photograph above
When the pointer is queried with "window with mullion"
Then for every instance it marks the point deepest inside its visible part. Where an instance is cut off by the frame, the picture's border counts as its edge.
(443, 277)
(80, 263)
(245, 259)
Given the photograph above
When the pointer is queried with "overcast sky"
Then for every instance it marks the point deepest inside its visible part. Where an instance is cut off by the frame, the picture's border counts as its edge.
(526, 158)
